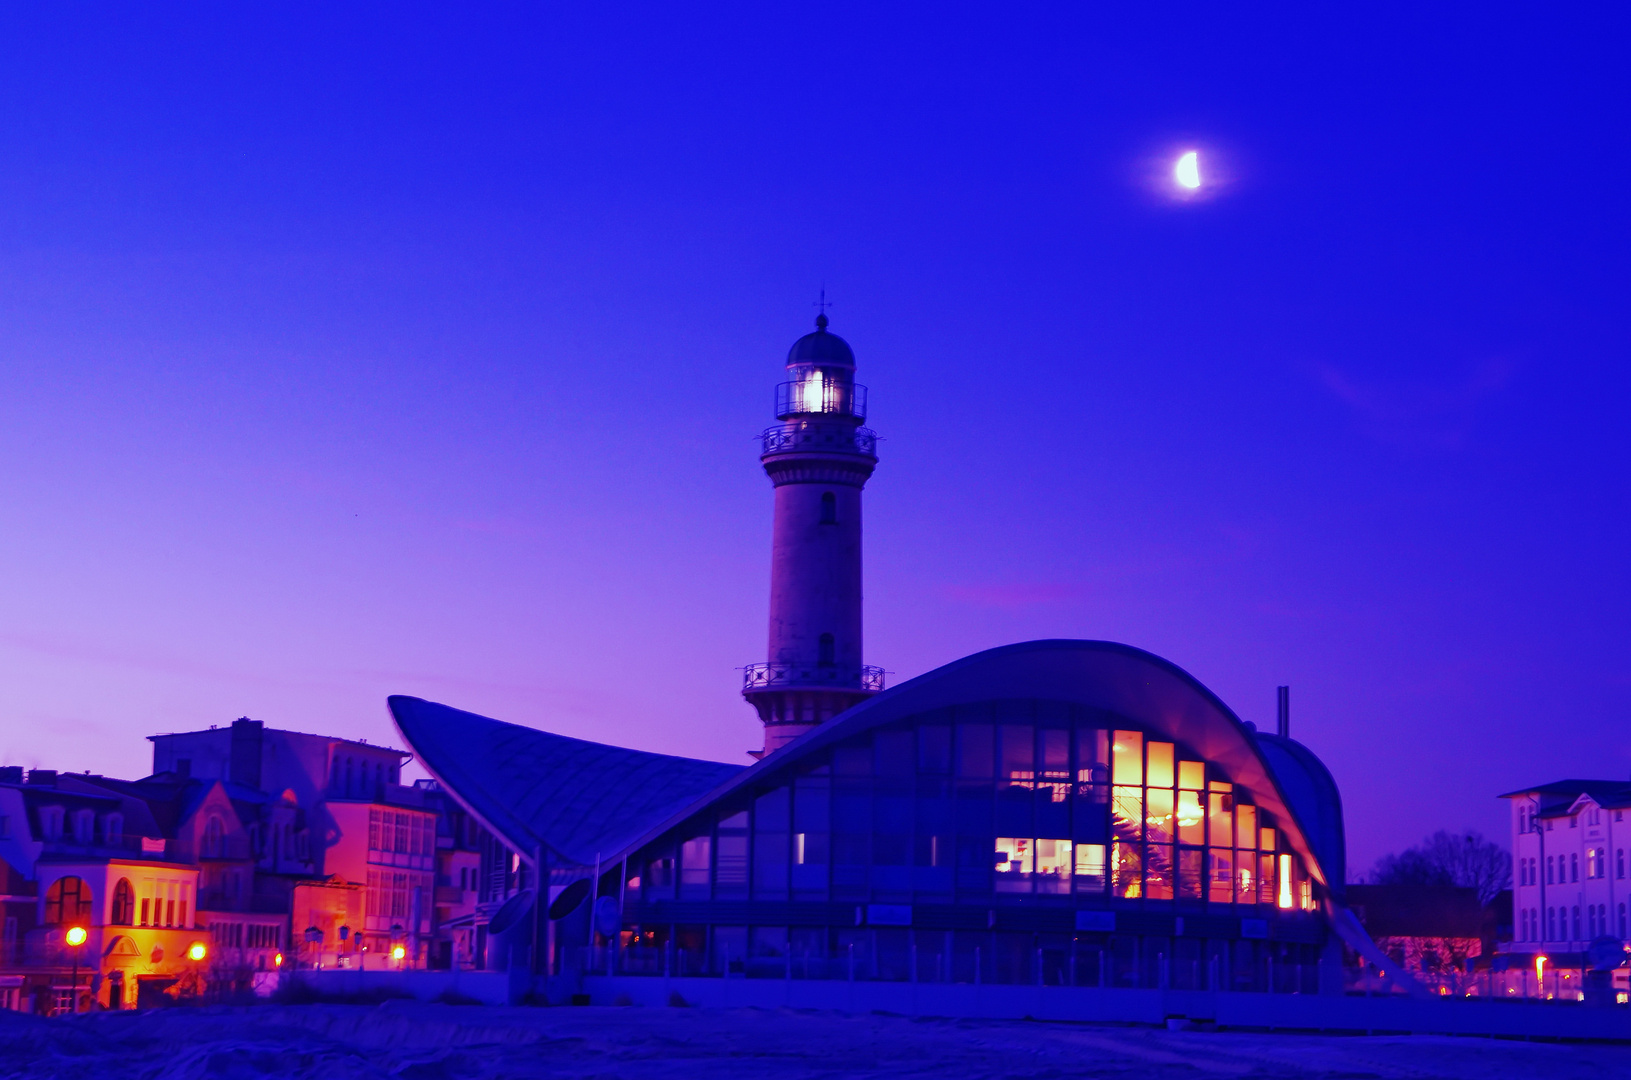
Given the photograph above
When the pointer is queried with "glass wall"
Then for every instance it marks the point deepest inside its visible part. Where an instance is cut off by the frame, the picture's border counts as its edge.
(1004, 805)
(1012, 799)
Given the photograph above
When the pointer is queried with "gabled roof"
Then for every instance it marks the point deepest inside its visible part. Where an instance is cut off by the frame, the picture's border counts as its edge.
(579, 799)
(1570, 789)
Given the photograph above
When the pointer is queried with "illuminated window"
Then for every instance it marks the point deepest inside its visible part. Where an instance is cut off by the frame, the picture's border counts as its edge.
(1053, 865)
(1015, 862)
(124, 903)
(1221, 878)
(1127, 754)
(1191, 873)
(1160, 767)
(1245, 826)
(1126, 870)
(1191, 824)
(1158, 870)
(1285, 881)
(1090, 868)
(1159, 816)
(68, 900)
(829, 509)
(1192, 775)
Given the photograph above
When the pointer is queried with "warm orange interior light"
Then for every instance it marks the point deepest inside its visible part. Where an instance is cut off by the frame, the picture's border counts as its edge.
(277, 959)
(75, 936)
(196, 951)
(1285, 881)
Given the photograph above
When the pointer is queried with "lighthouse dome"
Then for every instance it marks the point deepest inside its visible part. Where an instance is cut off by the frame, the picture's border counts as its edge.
(821, 348)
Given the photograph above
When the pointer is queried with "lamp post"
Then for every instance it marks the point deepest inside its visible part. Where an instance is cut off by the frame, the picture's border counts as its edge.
(397, 950)
(75, 937)
(196, 953)
(314, 936)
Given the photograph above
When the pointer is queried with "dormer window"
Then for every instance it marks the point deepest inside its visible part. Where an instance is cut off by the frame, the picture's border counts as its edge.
(84, 826)
(113, 829)
(51, 822)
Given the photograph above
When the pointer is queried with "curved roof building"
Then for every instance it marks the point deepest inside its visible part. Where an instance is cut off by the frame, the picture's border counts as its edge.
(1055, 810)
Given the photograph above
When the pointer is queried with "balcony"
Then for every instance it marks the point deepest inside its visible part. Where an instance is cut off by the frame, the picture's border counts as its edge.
(817, 395)
(829, 438)
(778, 676)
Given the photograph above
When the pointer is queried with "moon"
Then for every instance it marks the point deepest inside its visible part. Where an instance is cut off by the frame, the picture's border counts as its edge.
(1188, 171)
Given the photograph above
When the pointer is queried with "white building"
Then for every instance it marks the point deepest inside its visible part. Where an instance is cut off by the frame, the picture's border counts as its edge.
(1569, 874)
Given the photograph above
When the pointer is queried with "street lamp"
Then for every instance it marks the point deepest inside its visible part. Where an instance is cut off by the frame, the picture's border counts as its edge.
(397, 950)
(75, 937)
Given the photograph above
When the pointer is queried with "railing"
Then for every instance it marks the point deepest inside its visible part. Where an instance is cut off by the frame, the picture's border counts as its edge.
(773, 676)
(833, 438)
(816, 395)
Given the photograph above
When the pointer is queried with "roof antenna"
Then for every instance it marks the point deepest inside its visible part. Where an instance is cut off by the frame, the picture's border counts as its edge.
(1283, 729)
(822, 305)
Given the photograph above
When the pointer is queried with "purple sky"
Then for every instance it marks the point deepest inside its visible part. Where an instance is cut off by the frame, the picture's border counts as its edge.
(347, 355)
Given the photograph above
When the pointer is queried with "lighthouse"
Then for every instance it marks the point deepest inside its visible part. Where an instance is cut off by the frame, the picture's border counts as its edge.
(818, 457)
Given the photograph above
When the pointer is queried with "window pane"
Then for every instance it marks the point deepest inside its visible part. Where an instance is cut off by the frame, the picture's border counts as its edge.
(1092, 756)
(1222, 876)
(1158, 872)
(1055, 750)
(1090, 868)
(1126, 870)
(1192, 775)
(974, 750)
(1013, 863)
(934, 749)
(1190, 870)
(1018, 748)
(1245, 826)
(1158, 815)
(1191, 825)
(1053, 864)
(1127, 813)
(1160, 773)
(1265, 839)
(1128, 752)
(770, 811)
(892, 752)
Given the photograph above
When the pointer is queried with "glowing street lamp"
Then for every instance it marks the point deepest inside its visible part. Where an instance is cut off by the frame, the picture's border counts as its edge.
(75, 937)
(196, 951)
(397, 953)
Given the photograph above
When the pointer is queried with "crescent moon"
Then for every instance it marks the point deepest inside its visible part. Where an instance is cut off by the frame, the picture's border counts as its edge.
(1188, 171)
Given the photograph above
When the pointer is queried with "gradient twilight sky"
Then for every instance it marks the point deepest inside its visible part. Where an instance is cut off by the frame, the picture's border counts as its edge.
(420, 350)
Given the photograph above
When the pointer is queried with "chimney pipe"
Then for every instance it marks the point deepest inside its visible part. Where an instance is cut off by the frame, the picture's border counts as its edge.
(1283, 728)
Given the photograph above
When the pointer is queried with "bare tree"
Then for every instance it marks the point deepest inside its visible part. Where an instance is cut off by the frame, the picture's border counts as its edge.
(1466, 860)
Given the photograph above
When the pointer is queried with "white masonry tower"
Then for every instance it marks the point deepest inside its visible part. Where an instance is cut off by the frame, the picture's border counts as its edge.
(819, 458)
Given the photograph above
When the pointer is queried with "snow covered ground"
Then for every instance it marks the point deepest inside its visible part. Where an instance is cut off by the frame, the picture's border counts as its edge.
(443, 1042)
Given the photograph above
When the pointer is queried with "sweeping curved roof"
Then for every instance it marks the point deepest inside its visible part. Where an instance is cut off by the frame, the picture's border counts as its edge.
(1107, 675)
(577, 798)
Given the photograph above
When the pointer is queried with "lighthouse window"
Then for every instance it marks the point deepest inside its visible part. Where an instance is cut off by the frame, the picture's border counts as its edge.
(829, 509)
(824, 650)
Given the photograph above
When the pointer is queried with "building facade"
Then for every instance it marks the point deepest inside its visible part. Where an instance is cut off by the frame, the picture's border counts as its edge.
(1571, 888)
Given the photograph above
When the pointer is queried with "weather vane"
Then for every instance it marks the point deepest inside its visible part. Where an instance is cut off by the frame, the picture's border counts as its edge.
(821, 305)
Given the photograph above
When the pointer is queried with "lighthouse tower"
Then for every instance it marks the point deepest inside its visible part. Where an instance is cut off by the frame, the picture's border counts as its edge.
(819, 458)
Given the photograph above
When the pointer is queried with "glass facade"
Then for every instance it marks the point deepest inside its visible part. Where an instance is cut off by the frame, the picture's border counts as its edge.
(976, 843)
